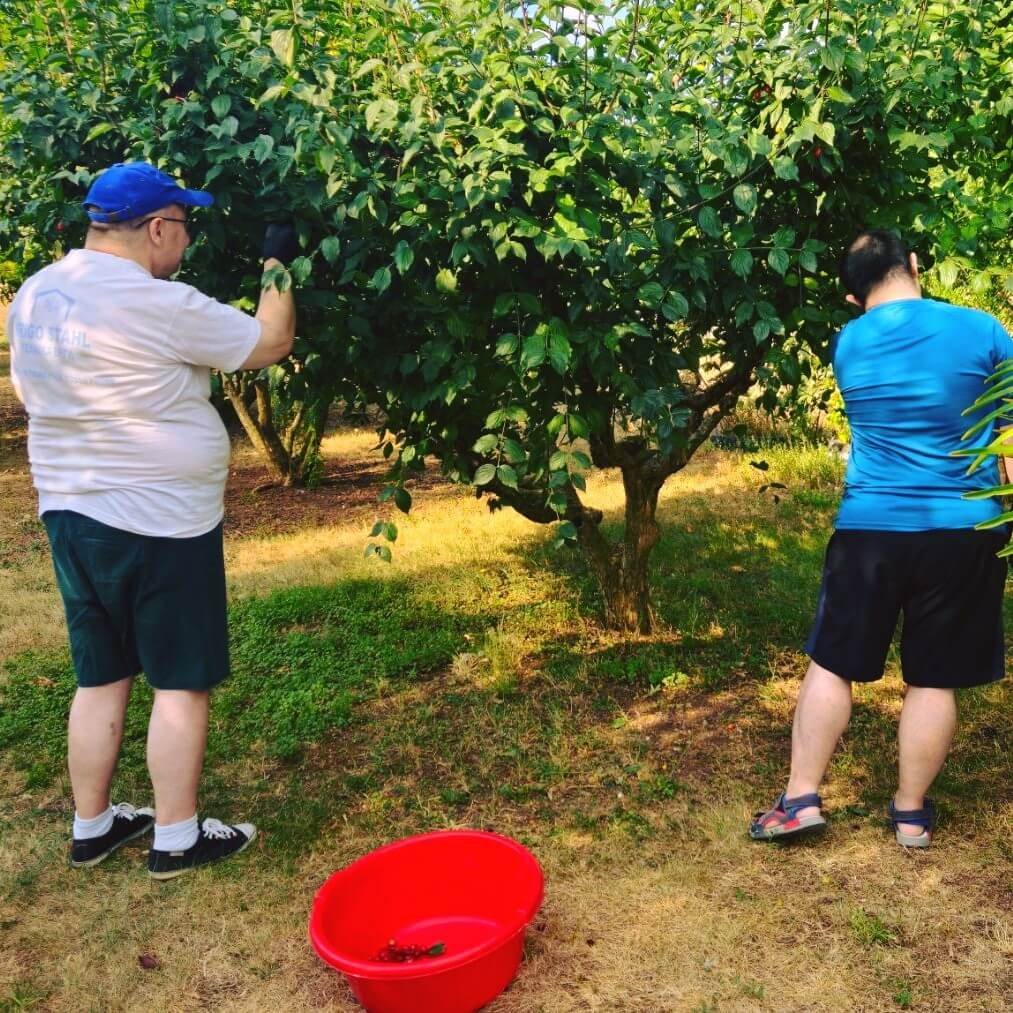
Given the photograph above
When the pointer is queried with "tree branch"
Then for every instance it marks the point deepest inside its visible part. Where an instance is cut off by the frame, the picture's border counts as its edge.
(531, 504)
(736, 380)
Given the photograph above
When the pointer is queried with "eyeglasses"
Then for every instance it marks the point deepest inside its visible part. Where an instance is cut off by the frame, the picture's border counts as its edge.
(188, 225)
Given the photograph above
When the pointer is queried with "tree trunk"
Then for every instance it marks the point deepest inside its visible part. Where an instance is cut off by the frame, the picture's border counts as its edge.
(621, 570)
(260, 428)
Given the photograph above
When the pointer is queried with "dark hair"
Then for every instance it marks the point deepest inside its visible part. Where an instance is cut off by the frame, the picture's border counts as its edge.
(872, 258)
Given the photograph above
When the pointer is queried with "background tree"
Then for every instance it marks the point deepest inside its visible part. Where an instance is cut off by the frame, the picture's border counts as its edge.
(84, 84)
(540, 236)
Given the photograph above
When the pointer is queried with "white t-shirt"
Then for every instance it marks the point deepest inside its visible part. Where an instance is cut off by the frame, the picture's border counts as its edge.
(113, 366)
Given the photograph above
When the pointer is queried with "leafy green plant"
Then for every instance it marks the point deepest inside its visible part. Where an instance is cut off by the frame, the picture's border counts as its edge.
(539, 237)
(997, 402)
(904, 995)
(870, 929)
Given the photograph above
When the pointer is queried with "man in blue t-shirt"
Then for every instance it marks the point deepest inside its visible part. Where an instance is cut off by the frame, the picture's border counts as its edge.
(904, 540)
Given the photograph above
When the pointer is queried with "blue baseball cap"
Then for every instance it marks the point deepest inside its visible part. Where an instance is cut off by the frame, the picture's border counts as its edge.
(131, 189)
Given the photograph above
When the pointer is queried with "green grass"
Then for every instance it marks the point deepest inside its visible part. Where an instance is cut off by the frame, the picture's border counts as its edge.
(803, 469)
(22, 996)
(301, 658)
(870, 929)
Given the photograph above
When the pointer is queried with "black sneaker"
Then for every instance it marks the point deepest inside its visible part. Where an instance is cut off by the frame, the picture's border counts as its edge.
(215, 841)
(128, 823)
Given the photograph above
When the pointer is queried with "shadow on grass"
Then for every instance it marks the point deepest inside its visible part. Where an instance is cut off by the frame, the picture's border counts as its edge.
(302, 658)
(730, 594)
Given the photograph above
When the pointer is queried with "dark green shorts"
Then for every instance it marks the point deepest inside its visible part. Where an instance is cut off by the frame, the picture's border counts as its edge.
(141, 604)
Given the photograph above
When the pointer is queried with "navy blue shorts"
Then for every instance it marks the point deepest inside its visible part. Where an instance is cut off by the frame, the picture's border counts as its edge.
(136, 603)
(948, 587)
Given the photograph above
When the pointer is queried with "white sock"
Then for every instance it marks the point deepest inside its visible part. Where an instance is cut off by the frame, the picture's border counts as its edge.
(176, 836)
(84, 830)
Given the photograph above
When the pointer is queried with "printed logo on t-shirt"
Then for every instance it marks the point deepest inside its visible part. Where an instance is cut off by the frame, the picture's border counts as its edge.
(46, 332)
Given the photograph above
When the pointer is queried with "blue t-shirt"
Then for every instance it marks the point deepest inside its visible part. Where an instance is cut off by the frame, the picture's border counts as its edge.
(907, 369)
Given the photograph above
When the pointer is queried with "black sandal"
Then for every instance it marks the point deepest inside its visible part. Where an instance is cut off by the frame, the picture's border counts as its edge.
(924, 817)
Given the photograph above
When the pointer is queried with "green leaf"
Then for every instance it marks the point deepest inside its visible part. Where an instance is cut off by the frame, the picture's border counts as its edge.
(833, 56)
(567, 530)
(329, 247)
(744, 196)
(507, 476)
(272, 93)
(560, 351)
(534, 351)
(402, 499)
(577, 426)
(283, 42)
(381, 112)
(263, 147)
(675, 306)
(949, 271)
(742, 263)
(485, 443)
(381, 551)
(377, 528)
(300, 269)
(220, 105)
(785, 168)
(839, 95)
(446, 280)
(760, 330)
(366, 67)
(651, 293)
(709, 221)
(513, 451)
(778, 260)
(807, 261)
(998, 490)
(506, 345)
(403, 256)
(485, 474)
(381, 279)
(826, 132)
(98, 130)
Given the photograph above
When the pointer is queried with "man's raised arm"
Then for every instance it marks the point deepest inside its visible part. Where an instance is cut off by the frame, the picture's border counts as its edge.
(276, 310)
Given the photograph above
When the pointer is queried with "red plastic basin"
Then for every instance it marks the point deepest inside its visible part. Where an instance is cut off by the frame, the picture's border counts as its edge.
(473, 891)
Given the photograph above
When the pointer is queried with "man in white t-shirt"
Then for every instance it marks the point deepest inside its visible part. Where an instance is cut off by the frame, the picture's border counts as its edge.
(112, 361)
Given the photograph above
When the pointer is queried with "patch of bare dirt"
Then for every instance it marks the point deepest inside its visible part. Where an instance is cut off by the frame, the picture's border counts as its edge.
(253, 506)
(13, 420)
